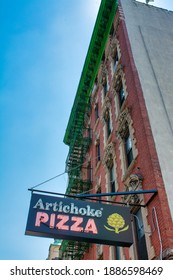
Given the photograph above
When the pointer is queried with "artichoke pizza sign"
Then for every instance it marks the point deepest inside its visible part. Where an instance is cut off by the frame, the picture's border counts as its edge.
(73, 219)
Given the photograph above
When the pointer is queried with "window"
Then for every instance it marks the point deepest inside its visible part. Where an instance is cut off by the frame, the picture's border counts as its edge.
(121, 95)
(90, 133)
(108, 125)
(115, 252)
(128, 148)
(96, 111)
(140, 237)
(99, 191)
(94, 87)
(112, 179)
(98, 151)
(115, 61)
(125, 134)
(112, 31)
(89, 172)
(105, 87)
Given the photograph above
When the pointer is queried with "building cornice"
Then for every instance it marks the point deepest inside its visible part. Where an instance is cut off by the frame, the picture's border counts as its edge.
(95, 52)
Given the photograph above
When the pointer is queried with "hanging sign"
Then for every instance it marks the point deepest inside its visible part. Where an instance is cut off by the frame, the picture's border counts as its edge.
(73, 219)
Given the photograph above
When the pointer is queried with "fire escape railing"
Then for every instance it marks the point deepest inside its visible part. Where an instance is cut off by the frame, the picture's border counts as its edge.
(75, 135)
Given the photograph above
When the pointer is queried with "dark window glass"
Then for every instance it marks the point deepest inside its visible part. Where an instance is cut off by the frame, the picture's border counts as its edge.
(140, 237)
(90, 133)
(105, 88)
(96, 112)
(112, 179)
(121, 95)
(108, 126)
(115, 62)
(128, 148)
(99, 197)
(89, 173)
(117, 253)
(98, 152)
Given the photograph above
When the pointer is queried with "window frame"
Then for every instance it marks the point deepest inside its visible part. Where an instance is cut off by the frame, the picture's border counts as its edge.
(128, 148)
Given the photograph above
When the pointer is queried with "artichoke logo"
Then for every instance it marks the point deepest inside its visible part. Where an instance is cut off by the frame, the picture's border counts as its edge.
(117, 223)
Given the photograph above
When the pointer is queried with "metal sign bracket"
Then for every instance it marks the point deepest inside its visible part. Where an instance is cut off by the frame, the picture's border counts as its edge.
(97, 196)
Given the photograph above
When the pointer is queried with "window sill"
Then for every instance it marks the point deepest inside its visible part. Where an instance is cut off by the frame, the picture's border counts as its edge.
(96, 124)
(121, 109)
(109, 139)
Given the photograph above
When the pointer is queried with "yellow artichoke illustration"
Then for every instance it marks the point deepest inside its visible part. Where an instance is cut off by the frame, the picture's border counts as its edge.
(117, 223)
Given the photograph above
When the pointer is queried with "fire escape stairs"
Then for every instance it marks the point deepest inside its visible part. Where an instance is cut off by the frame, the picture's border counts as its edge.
(76, 136)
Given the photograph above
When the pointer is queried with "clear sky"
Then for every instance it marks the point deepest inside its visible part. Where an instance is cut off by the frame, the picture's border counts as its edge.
(43, 47)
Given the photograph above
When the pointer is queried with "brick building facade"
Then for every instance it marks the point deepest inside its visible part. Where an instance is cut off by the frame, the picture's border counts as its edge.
(116, 128)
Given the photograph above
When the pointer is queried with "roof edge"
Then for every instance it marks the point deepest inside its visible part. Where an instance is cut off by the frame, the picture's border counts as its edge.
(103, 25)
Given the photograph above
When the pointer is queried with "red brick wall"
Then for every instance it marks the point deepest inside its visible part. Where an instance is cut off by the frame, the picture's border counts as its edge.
(146, 160)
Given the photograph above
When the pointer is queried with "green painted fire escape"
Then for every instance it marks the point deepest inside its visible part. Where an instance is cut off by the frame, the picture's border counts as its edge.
(75, 160)
(78, 136)
(73, 250)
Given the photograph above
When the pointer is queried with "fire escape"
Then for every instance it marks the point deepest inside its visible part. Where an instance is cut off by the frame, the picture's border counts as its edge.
(78, 134)
(76, 163)
(76, 167)
(73, 250)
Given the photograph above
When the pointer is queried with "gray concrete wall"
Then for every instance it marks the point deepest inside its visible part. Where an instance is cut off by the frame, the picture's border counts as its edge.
(150, 32)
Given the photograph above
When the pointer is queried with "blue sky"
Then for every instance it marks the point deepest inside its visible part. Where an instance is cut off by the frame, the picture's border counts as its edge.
(43, 47)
